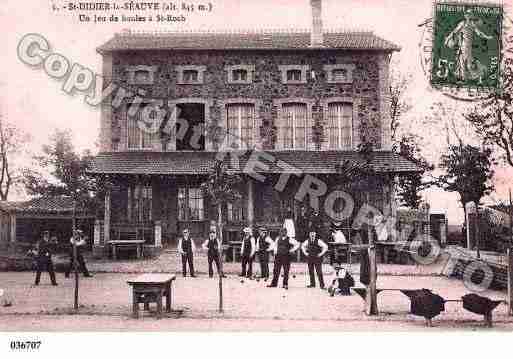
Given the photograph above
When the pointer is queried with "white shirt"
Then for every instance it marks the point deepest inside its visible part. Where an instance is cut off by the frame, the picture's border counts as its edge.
(288, 224)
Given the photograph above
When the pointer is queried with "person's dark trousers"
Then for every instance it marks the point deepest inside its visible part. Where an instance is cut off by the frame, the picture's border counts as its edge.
(81, 265)
(187, 258)
(247, 263)
(213, 258)
(45, 265)
(264, 264)
(317, 266)
(279, 262)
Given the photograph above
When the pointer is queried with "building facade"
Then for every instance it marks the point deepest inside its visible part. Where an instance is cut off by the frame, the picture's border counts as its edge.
(283, 109)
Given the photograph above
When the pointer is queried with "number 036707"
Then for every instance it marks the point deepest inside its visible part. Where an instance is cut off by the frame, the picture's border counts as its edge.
(25, 345)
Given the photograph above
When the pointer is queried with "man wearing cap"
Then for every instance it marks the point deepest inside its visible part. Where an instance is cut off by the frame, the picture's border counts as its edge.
(264, 246)
(77, 240)
(44, 258)
(187, 248)
(283, 247)
(314, 249)
(212, 246)
(247, 253)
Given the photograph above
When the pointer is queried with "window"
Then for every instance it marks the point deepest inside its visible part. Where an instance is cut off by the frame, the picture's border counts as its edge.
(340, 75)
(190, 204)
(296, 128)
(294, 75)
(190, 76)
(235, 211)
(340, 125)
(140, 134)
(140, 203)
(141, 77)
(141, 74)
(240, 125)
(240, 75)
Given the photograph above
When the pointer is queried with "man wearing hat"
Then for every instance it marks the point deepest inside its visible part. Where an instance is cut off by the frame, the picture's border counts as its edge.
(187, 248)
(77, 240)
(247, 253)
(44, 258)
(314, 249)
(212, 246)
(264, 246)
(284, 247)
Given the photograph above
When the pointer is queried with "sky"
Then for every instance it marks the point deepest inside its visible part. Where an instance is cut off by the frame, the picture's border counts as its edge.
(37, 104)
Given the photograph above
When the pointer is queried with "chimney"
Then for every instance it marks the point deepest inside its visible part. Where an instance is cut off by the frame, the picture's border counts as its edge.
(316, 36)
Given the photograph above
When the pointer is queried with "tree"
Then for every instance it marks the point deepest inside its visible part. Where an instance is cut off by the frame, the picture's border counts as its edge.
(492, 118)
(406, 143)
(62, 172)
(12, 141)
(221, 188)
(468, 172)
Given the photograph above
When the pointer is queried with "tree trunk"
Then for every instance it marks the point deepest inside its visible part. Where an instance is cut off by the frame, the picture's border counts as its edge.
(75, 264)
(371, 302)
(221, 270)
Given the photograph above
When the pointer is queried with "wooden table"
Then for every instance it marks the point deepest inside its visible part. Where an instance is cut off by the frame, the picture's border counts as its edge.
(138, 244)
(149, 288)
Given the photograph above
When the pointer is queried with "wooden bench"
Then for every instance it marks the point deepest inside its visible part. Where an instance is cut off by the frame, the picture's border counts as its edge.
(150, 288)
(116, 244)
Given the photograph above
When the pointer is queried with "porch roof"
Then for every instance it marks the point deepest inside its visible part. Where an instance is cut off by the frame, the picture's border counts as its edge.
(189, 162)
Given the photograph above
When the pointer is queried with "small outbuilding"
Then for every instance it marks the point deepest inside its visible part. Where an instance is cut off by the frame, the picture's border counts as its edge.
(23, 222)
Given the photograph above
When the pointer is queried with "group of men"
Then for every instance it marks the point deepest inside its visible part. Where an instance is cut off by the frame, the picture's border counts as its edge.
(259, 248)
(45, 249)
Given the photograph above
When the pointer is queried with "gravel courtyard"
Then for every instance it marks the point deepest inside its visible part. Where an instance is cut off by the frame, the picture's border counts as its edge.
(105, 305)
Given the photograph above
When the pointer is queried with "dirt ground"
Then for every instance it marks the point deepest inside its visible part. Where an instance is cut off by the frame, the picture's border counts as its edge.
(105, 305)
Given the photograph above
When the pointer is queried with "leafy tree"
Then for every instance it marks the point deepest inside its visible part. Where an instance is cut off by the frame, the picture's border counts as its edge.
(62, 172)
(12, 141)
(492, 118)
(221, 188)
(468, 172)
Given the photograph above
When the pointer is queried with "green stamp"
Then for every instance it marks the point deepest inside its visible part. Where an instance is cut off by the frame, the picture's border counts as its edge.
(466, 45)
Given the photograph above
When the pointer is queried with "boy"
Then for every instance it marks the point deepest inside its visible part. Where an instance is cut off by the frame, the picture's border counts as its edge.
(342, 282)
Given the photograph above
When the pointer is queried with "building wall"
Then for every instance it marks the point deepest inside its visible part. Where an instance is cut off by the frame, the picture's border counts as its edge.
(368, 91)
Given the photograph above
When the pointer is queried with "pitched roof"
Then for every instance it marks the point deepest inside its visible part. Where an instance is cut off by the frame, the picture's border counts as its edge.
(265, 40)
(46, 204)
(177, 163)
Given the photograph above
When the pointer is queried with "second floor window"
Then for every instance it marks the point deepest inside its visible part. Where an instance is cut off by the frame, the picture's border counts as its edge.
(190, 76)
(296, 126)
(294, 75)
(240, 125)
(340, 75)
(139, 137)
(340, 125)
(240, 75)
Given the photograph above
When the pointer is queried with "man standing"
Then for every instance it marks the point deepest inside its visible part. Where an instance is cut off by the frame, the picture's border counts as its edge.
(212, 245)
(186, 248)
(247, 252)
(314, 249)
(44, 258)
(77, 240)
(264, 246)
(284, 247)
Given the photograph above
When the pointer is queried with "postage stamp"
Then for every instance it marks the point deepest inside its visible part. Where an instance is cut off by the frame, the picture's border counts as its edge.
(466, 50)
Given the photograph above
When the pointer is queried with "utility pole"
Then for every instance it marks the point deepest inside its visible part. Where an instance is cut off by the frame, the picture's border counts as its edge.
(510, 258)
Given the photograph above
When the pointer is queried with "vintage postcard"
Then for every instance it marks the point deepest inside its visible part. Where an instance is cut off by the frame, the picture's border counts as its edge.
(255, 166)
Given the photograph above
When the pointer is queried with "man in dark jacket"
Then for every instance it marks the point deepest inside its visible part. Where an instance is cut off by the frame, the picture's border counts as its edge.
(284, 247)
(213, 245)
(264, 246)
(247, 253)
(77, 240)
(314, 248)
(187, 248)
(44, 258)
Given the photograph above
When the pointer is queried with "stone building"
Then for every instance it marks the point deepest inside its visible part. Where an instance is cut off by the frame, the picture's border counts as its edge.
(297, 103)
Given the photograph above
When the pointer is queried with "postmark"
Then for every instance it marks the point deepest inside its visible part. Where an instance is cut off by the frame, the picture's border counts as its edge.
(462, 48)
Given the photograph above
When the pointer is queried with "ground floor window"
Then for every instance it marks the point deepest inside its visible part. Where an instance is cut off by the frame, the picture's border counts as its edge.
(191, 206)
(140, 203)
(235, 211)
